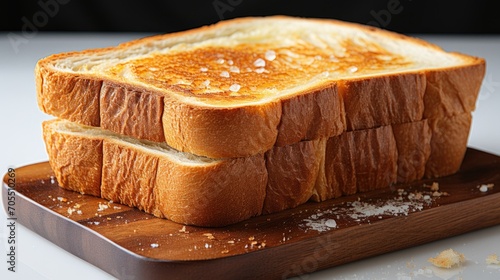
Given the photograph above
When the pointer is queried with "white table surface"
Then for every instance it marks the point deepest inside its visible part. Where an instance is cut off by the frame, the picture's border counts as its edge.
(21, 143)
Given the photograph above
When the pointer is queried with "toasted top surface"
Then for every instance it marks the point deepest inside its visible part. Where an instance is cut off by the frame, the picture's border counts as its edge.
(254, 60)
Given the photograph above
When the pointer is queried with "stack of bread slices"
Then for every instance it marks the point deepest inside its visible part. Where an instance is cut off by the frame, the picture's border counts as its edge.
(251, 116)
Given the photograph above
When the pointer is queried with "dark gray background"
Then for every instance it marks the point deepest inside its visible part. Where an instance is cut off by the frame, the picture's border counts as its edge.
(405, 16)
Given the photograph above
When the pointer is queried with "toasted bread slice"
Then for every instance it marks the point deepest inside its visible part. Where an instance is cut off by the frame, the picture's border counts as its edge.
(241, 86)
(154, 177)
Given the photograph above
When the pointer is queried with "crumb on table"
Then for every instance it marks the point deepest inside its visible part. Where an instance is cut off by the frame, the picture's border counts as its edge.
(492, 259)
(447, 259)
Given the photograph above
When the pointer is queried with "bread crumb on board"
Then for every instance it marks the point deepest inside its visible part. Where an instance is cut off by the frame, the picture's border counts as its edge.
(485, 187)
(493, 259)
(448, 259)
(183, 230)
(209, 236)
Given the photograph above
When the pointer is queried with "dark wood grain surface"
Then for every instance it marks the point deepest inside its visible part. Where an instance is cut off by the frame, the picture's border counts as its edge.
(131, 244)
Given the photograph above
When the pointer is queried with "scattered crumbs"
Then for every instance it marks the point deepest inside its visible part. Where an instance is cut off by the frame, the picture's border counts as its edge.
(447, 259)
(62, 199)
(225, 251)
(207, 246)
(358, 211)
(493, 259)
(410, 264)
(251, 238)
(70, 210)
(315, 222)
(209, 236)
(117, 207)
(77, 206)
(102, 207)
(392, 208)
(79, 212)
(230, 241)
(485, 187)
(108, 218)
(427, 272)
(154, 245)
(425, 196)
(52, 180)
(96, 223)
(331, 223)
(434, 187)
(183, 230)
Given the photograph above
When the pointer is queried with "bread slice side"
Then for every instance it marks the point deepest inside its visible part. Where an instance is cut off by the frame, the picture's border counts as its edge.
(448, 144)
(413, 141)
(154, 177)
(292, 174)
(76, 159)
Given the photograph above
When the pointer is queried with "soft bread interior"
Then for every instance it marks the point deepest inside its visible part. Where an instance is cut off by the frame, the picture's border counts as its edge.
(256, 60)
(161, 149)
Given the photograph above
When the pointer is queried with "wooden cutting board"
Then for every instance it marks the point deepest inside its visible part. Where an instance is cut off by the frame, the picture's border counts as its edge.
(128, 243)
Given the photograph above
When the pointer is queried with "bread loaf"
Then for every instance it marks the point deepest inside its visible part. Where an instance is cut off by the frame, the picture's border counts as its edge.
(215, 125)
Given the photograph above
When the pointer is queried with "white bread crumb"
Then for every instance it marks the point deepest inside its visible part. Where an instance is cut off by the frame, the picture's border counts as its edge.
(183, 230)
(493, 259)
(447, 259)
(485, 187)
(435, 186)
